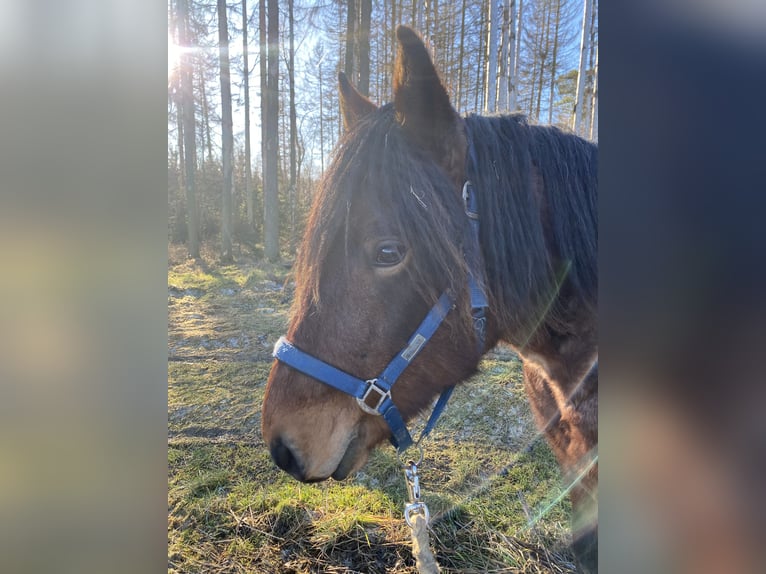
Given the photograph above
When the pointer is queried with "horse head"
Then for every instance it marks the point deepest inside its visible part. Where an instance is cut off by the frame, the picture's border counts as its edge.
(385, 238)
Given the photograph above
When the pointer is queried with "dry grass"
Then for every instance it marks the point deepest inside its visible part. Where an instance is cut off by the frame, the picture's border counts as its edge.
(486, 476)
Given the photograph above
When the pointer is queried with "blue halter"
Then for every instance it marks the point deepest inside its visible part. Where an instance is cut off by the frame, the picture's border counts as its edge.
(374, 395)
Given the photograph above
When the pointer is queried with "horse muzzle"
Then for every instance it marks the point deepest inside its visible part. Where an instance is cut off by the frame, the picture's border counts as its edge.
(290, 461)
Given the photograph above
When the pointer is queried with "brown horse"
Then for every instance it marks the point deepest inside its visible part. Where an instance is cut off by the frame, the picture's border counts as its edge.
(388, 234)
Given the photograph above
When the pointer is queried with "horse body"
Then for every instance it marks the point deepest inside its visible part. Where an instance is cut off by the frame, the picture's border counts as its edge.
(539, 242)
(387, 235)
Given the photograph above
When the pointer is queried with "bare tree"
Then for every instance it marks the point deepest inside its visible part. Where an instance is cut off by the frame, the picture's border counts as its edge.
(577, 120)
(549, 32)
(535, 71)
(490, 81)
(503, 81)
(227, 147)
(554, 61)
(590, 78)
(206, 135)
(263, 60)
(319, 50)
(460, 88)
(419, 14)
(174, 97)
(189, 132)
(351, 17)
(363, 42)
(270, 123)
(512, 54)
(482, 57)
(593, 132)
(542, 56)
(293, 126)
(249, 194)
(514, 93)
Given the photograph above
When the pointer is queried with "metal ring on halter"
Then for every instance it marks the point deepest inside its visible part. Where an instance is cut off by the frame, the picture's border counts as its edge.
(416, 508)
(404, 461)
(372, 385)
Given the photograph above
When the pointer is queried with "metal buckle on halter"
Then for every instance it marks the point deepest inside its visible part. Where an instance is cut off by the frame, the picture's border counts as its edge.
(468, 201)
(372, 385)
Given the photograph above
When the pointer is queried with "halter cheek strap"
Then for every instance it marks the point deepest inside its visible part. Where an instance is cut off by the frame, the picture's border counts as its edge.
(472, 255)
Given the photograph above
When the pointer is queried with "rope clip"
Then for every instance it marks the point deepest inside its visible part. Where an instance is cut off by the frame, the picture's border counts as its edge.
(415, 506)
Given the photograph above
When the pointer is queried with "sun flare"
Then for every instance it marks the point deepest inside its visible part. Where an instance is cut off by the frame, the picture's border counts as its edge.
(174, 55)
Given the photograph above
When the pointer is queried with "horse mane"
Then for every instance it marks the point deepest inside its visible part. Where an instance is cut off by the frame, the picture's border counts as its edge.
(374, 163)
(536, 189)
(537, 195)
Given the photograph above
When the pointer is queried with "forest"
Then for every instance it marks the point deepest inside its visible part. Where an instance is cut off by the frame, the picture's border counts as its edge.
(253, 113)
(253, 119)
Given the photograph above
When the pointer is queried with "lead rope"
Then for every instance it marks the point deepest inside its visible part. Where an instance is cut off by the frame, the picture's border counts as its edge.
(417, 517)
(416, 512)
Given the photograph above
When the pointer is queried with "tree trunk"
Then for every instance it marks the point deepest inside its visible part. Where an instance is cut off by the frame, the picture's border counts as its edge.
(479, 92)
(435, 35)
(351, 18)
(554, 61)
(262, 61)
(249, 194)
(512, 57)
(593, 134)
(490, 96)
(581, 69)
(390, 57)
(427, 21)
(181, 152)
(263, 53)
(363, 39)
(519, 28)
(177, 98)
(446, 33)
(208, 143)
(460, 58)
(502, 75)
(543, 57)
(532, 73)
(420, 16)
(271, 123)
(227, 144)
(590, 78)
(293, 130)
(190, 144)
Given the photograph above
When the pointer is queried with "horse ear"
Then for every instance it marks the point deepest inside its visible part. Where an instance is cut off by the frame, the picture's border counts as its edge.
(423, 107)
(353, 105)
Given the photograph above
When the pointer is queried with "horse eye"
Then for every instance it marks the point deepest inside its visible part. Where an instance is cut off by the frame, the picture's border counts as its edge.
(389, 254)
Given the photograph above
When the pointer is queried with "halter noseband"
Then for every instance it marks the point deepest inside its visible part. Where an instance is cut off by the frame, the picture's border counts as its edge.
(374, 395)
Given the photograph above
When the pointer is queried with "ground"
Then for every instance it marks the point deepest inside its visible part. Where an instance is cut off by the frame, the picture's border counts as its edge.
(490, 482)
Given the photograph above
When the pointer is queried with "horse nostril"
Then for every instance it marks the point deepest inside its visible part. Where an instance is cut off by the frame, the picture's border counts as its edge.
(285, 459)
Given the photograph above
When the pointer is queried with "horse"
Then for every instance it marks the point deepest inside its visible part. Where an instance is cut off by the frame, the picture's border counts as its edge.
(390, 240)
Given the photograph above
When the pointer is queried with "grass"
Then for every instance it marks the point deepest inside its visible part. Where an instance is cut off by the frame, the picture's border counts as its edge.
(491, 484)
